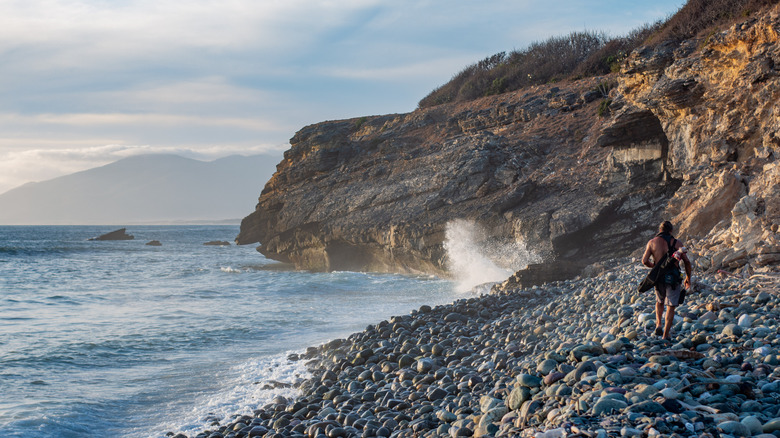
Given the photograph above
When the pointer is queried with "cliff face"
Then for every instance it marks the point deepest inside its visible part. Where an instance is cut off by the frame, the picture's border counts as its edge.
(716, 101)
(376, 193)
(693, 135)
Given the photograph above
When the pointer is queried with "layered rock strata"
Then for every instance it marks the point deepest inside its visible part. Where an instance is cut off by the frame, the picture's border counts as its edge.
(716, 101)
(693, 135)
(377, 193)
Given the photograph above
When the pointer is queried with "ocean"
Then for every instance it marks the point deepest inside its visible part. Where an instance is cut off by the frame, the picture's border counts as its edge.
(118, 338)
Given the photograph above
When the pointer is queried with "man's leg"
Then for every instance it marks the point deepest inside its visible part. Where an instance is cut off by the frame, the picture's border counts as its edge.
(660, 297)
(669, 322)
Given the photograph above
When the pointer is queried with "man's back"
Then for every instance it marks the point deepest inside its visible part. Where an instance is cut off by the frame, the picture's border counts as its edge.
(656, 248)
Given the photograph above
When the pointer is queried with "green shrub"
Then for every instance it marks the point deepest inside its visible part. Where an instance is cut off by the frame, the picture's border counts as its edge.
(604, 107)
(359, 122)
(605, 86)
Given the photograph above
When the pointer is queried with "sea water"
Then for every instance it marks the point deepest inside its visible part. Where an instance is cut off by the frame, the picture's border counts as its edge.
(118, 338)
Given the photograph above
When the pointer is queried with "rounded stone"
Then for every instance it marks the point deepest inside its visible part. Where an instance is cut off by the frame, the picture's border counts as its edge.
(753, 424)
(553, 377)
(630, 432)
(405, 361)
(455, 317)
(517, 397)
(546, 366)
(608, 405)
(772, 425)
(424, 365)
(734, 428)
(669, 393)
(732, 330)
(437, 394)
(529, 380)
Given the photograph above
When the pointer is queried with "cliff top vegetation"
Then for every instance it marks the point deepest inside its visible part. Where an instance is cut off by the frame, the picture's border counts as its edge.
(585, 54)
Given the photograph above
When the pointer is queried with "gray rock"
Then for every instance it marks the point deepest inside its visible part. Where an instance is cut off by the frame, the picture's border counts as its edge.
(734, 428)
(753, 424)
(630, 432)
(584, 367)
(607, 406)
(529, 380)
(529, 408)
(772, 425)
(546, 366)
(455, 317)
(732, 330)
(517, 397)
(446, 416)
(424, 365)
(437, 394)
(762, 298)
(120, 234)
(648, 407)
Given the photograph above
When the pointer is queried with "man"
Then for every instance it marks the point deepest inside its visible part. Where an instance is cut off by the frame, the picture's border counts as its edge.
(666, 292)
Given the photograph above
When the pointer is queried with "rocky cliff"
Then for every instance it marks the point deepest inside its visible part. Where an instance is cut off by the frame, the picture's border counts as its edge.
(716, 101)
(692, 134)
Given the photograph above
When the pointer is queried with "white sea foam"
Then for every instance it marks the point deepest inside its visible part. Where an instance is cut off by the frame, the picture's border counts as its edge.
(475, 259)
(230, 270)
(248, 386)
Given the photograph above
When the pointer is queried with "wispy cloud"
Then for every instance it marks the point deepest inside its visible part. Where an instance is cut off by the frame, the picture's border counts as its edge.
(147, 120)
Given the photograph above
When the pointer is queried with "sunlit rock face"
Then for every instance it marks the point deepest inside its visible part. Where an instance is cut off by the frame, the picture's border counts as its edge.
(692, 131)
(717, 102)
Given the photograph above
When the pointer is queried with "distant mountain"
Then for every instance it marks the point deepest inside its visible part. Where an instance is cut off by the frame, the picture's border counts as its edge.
(143, 189)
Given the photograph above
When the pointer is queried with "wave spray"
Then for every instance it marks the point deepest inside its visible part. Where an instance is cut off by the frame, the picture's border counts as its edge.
(474, 259)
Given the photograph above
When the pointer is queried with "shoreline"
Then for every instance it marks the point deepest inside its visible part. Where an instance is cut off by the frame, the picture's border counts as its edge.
(569, 358)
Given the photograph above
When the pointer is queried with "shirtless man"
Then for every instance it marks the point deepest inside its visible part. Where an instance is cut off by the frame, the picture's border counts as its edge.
(668, 294)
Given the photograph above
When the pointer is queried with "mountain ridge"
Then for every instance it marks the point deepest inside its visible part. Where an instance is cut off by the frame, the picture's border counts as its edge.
(149, 188)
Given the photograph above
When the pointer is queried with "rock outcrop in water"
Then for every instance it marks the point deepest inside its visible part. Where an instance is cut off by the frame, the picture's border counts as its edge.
(693, 135)
(120, 234)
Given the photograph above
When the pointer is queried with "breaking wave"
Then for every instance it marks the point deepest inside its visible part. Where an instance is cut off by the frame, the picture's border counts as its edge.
(475, 259)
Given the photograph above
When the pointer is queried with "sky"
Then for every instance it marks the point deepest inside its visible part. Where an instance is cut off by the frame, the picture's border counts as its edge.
(87, 82)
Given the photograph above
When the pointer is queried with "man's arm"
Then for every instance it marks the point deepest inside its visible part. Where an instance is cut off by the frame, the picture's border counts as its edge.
(646, 257)
(688, 271)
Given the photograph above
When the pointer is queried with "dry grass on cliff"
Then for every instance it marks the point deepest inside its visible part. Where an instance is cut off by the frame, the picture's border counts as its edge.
(577, 55)
(701, 17)
(585, 54)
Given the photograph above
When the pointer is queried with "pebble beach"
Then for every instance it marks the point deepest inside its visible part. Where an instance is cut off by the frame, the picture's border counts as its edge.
(573, 358)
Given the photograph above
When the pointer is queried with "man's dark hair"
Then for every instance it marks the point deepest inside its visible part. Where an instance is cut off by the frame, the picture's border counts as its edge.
(666, 227)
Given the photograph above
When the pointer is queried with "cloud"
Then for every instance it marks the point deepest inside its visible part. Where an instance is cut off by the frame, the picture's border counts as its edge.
(146, 120)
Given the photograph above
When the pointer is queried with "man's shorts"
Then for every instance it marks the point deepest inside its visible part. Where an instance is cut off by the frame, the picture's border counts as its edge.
(668, 294)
